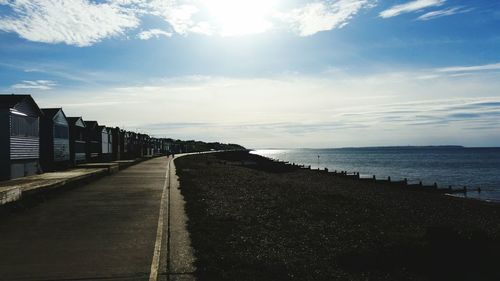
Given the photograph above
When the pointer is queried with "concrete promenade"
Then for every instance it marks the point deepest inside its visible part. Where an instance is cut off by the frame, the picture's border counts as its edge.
(126, 226)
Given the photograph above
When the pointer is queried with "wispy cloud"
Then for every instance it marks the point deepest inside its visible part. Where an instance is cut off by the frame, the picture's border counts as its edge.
(386, 108)
(153, 33)
(35, 85)
(409, 7)
(443, 13)
(391, 120)
(77, 22)
(179, 14)
(322, 16)
(473, 68)
(64, 72)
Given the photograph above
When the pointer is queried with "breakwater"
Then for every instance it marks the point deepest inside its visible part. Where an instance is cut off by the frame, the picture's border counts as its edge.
(466, 172)
(403, 183)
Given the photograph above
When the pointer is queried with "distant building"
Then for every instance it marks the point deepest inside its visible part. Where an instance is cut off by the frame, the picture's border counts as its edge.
(94, 135)
(106, 143)
(126, 147)
(146, 146)
(117, 142)
(19, 136)
(77, 140)
(54, 139)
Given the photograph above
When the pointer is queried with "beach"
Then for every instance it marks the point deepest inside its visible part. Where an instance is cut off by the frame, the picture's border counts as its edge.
(254, 219)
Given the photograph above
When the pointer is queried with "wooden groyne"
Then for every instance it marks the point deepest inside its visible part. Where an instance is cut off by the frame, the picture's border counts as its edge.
(420, 186)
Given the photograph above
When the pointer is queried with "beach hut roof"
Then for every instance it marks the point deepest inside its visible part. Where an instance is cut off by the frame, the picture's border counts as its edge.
(76, 121)
(11, 101)
(51, 112)
(91, 124)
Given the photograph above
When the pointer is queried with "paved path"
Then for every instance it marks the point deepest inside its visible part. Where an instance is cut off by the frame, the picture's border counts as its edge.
(107, 230)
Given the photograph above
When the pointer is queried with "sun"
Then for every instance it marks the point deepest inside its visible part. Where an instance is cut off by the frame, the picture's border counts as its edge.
(241, 17)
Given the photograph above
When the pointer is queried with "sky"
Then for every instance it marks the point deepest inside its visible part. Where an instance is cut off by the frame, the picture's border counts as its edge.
(264, 73)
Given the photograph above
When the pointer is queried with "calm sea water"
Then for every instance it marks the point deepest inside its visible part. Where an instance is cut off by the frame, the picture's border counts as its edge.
(456, 166)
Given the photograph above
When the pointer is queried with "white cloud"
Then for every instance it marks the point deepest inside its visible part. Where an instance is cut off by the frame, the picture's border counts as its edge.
(408, 7)
(77, 22)
(241, 17)
(153, 33)
(484, 67)
(35, 85)
(179, 16)
(322, 16)
(443, 13)
(86, 22)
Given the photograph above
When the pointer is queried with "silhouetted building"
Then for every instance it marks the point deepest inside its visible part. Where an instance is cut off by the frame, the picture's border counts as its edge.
(77, 140)
(126, 145)
(54, 139)
(19, 136)
(93, 147)
(106, 143)
(117, 143)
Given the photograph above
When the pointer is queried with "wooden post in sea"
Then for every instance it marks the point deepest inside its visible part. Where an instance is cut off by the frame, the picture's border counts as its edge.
(389, 179)
(406, 181)
(318, 162)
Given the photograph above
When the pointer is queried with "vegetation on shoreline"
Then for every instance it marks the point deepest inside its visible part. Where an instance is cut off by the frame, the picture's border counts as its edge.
(179, 146)
(252, 219)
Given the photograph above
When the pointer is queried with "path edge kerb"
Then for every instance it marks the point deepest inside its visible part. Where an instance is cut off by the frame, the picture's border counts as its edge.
(168, 248)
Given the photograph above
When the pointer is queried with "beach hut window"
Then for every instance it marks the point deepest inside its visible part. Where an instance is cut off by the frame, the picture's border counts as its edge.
(24, 126)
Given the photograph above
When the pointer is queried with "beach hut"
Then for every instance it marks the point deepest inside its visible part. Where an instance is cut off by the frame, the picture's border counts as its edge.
(157, 150)
(93, 147)
(77, 140)
(54, 139)
(124, 145)
(19, 136)
(147, 150)
(141, 145)
(131, 145)
(166, 146)
(153, 146)
(106, 144)
(136, 145)
(117, 143)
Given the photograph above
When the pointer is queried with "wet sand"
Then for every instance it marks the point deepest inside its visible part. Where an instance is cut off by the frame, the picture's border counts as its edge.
(252, 219)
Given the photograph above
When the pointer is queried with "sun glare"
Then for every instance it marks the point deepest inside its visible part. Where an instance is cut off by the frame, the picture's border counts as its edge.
(241, 17)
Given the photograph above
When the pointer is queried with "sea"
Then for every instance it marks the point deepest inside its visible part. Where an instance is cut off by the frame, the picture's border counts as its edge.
(445, 165)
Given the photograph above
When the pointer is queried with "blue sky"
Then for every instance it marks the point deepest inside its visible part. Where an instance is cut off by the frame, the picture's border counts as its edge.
(261, 73)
